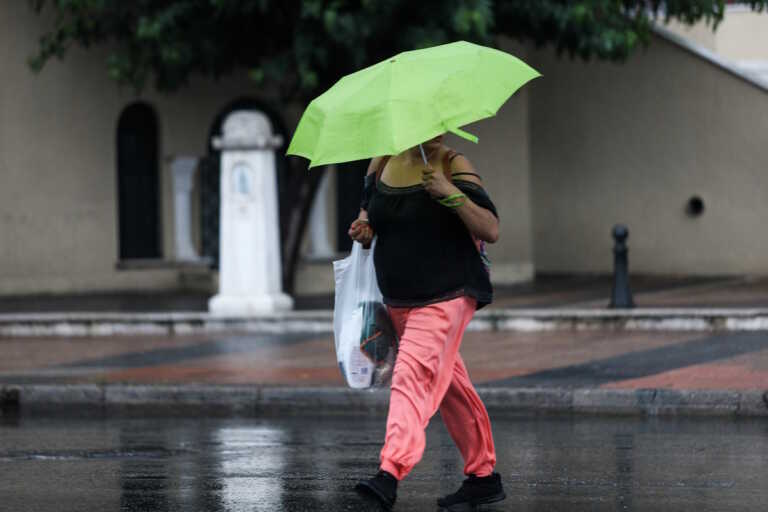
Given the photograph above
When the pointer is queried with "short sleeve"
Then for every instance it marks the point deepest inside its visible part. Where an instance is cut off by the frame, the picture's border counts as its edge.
(477, 195)
(369, 184)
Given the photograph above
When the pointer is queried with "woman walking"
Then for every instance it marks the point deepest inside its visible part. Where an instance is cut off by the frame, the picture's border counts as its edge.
(431, 225)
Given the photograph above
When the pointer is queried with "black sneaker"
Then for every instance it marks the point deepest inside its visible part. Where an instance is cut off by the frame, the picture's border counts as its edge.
(473, 492)
(383, 487)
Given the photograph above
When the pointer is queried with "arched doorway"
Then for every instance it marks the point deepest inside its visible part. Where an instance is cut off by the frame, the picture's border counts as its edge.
(138, 183)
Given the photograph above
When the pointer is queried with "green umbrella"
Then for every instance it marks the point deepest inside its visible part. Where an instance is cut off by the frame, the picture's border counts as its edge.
(403, 101)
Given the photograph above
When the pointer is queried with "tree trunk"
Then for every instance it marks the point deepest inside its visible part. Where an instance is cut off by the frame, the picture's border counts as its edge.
(296, 201)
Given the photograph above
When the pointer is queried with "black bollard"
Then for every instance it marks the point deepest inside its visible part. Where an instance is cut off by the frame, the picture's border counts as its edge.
(621, 296)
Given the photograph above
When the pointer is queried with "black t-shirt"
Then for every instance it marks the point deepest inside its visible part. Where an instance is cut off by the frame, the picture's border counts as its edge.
(424, 253)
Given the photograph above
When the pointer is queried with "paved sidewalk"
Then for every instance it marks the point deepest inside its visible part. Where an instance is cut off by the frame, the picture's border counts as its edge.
(601, 368)
(555, 359)
(616, 372)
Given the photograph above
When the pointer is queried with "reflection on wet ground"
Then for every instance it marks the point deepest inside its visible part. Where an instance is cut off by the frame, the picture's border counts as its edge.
(310, 464)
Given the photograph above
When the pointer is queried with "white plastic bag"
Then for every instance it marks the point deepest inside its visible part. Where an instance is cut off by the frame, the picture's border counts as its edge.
(365, 339)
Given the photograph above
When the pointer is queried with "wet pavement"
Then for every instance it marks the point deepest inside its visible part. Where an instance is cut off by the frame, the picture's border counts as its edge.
(549, 463)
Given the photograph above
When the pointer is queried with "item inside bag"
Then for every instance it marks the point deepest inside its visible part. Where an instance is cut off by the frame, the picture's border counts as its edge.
(378, 341)
(370, 365)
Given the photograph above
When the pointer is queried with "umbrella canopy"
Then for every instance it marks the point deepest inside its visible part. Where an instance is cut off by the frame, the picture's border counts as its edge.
(403, 101)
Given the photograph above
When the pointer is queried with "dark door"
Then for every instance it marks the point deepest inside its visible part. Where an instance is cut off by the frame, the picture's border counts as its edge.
(138, 194)
(349, 180)
(210, 198)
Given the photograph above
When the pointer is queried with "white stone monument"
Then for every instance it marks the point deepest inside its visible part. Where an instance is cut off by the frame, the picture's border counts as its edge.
(183, 169)
(250, 275)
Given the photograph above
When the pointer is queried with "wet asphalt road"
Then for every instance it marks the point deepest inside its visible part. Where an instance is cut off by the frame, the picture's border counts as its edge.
(310, 464)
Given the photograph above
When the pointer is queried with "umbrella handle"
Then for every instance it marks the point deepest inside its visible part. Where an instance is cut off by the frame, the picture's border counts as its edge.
(423, 156)
(457, 131)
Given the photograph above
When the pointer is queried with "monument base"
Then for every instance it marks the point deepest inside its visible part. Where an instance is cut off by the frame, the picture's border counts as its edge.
(236, 305)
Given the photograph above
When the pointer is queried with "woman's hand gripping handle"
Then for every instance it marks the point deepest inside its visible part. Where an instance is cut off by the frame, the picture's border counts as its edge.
(361, 231)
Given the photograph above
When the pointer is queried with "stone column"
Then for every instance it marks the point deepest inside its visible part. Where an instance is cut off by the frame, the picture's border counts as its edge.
(319, 232)
(183, 169)
(250, 274)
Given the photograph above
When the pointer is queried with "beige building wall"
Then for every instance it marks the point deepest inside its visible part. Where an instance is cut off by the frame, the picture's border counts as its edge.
(632, 143)
(700, 33)
(572, 153)
(58, 177)
(742, 35)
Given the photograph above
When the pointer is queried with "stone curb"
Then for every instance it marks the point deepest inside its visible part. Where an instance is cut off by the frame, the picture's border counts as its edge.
(321, 322)
(255, 400)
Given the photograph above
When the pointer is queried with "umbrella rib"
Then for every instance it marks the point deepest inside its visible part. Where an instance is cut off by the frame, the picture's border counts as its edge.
(320, 135)
(391, 112)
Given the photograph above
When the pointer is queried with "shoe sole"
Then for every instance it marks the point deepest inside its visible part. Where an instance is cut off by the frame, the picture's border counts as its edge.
(368, 491)
(472, 506)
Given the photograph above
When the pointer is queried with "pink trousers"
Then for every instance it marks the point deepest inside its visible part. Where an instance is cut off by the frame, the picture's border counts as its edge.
(430, 374)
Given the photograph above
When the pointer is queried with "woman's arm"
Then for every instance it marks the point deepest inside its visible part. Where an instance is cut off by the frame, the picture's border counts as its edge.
(479, 221)
(372, 167)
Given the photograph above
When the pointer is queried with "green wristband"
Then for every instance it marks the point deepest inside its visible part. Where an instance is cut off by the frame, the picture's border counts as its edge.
(453, 201)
